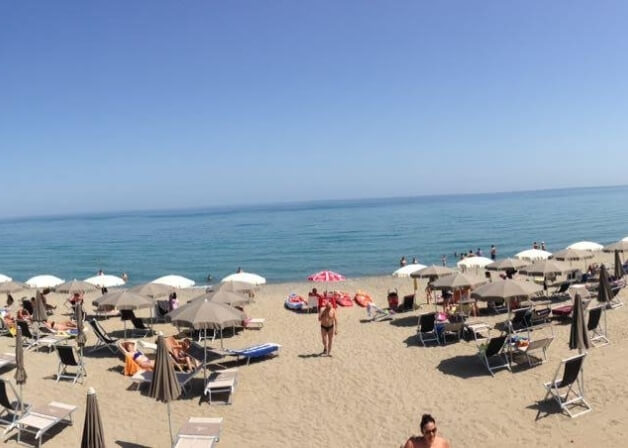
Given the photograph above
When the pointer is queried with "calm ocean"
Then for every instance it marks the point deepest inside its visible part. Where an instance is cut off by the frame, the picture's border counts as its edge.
(288, 242)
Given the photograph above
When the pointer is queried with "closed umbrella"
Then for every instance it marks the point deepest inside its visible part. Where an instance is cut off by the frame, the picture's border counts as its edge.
(164, 387)
(81, 337)
(20, 371)
(152, 289)
(75, 286)
(12, 286)
(604, 294)
(93, 433)
(39, 309)
(619, 269)
(578, 337)
(44, 281)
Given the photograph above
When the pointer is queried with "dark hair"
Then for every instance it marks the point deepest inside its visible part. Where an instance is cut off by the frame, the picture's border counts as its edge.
(427, 418)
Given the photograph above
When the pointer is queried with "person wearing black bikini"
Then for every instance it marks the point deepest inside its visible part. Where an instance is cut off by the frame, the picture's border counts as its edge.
(329, 327)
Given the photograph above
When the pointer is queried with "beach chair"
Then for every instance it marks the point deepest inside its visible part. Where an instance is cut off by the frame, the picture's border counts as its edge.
(39, 419)
(11, 409)
(615, 300)
(597, 334)
(104, 340)
(199, 432)
(377, 314)
(493, 355)
(31, 341)
(426, 330)
(254, 352)
(138, 324)
(572, 381)
(561, 291)
(453, 329)
(69, 359)
(538, 345)
(223, 381)
(146, 377)
(520, 320)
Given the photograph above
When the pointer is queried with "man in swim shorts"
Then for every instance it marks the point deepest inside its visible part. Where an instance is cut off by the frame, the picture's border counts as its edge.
(329, 327)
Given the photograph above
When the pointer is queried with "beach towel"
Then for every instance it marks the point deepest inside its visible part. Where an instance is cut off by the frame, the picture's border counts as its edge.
(130, 366)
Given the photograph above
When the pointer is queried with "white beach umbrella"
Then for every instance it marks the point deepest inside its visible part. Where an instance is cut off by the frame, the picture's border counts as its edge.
(44, 281)
(625, 238)
(407, 270)
(105, 281)
(586, 245)
(4, 278)
(245, 277)
(176, 281)
(533, 254)
(474, 262)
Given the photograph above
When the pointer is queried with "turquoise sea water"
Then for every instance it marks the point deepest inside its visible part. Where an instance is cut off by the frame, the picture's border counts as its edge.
(288, 242)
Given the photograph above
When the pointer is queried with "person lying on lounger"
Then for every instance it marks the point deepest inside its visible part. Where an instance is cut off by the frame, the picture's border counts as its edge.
(140, 358)
(60, 326)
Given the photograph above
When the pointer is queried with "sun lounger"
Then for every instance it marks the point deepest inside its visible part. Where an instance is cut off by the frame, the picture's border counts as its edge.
(493, 355)
(31, 341)
(39, 419)
(11, 409)
(68, 359)
(145, 376)
(104, 340)
(597, 334)
(222, 381)
(256, 322)
(572, 381)
(199, 432)
(377, 314)
(426, 329)
(7, 359)
(255, 351)
(138, 324)
(538, 345)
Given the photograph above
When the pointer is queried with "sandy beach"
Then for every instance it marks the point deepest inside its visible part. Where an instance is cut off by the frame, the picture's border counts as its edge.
(371, 392)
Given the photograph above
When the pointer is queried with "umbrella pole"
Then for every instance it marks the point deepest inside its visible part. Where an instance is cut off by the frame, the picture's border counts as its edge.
(221, 345)
(205, 359)
(170, 424)
(124, 329)
(416, 285)
(21, 399)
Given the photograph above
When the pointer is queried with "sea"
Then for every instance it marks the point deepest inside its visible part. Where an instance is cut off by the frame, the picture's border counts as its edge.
(287, 242)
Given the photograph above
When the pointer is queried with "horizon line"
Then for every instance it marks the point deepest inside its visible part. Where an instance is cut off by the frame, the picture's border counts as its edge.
(245, 205)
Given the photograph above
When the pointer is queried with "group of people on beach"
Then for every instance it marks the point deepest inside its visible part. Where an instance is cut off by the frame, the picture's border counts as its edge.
(459, 255)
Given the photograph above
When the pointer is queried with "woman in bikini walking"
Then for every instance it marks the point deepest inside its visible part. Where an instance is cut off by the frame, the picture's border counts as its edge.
(329, 327)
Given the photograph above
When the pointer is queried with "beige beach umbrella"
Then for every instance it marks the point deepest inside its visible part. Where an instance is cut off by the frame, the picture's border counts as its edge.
(546, 267)
(507, 264)
(75, 286)
(12, 286)
(225, 297)
(152, 289)
(164, 386)
(432, 271)
(619, 246)
(572, 255)
(20, 371)
(458, 280)
(474, 262)
(124, 300)
(93, 433)
(506, 290)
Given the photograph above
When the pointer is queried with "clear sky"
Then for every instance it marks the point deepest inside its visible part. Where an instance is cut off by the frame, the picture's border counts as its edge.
(121, 105)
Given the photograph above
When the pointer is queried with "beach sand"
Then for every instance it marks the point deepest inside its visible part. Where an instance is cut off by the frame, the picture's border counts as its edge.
(371, 392)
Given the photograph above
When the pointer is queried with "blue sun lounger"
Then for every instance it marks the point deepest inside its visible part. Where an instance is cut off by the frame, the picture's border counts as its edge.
(255, 351)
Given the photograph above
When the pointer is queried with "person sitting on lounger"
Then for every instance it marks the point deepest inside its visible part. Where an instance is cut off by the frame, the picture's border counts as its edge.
(179, 352)
(140, 358)
(60, 326)
(23, 314)
(429, 439)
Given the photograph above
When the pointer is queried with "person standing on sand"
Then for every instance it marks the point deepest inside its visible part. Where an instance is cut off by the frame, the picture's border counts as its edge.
(429, 439)
(329, 327)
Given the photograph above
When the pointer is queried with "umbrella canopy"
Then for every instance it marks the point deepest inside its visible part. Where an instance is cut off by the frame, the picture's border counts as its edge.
(93, 434)
(572, 254)
(164, 385)
(39, 309)
(625, 238)
(176, 281)
(474, 262)
(225, 297)
(206, 314)
(620, 246)
(432, 271)
(507, 264)
(546, 267)
(619, 269)
(4, 278)
(408, 269)
(586, 245)
(533, 254)
(75, 286)
(506, 290)
(604, 288)
(152, 289)
(44, 281)
(578, 337)
(327, 277)
(12, 286)
(123, 300)
(105, 281)
(458, 281)
(245, 277)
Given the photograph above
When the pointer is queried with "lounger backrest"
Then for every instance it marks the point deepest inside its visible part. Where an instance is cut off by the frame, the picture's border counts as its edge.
(572, 370)
(426, 322)
(127, 315)
(495, 345)
(66, 355)
(520, 315)
(594, 318)
(4, 397)
(98, 330)
(26, 331)
(539, 343)
(138, 323)
(408, 302)
(28, 306)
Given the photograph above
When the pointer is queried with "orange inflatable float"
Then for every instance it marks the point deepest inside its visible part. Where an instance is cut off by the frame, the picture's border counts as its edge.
(362, 299)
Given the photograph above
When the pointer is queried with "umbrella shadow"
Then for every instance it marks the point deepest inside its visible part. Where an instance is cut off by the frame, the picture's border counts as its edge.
(463, 366)
(122, 444)
(30, 439)
(406, 321)
(413, 341)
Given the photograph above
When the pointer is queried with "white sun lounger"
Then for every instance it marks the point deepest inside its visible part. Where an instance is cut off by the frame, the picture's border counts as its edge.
(199, 432)
(256, 322)
(223, 381)
(39, 419)
(7, 359)
(146, 376)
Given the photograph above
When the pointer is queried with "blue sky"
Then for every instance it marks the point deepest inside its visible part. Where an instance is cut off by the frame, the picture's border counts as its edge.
(123, 105)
